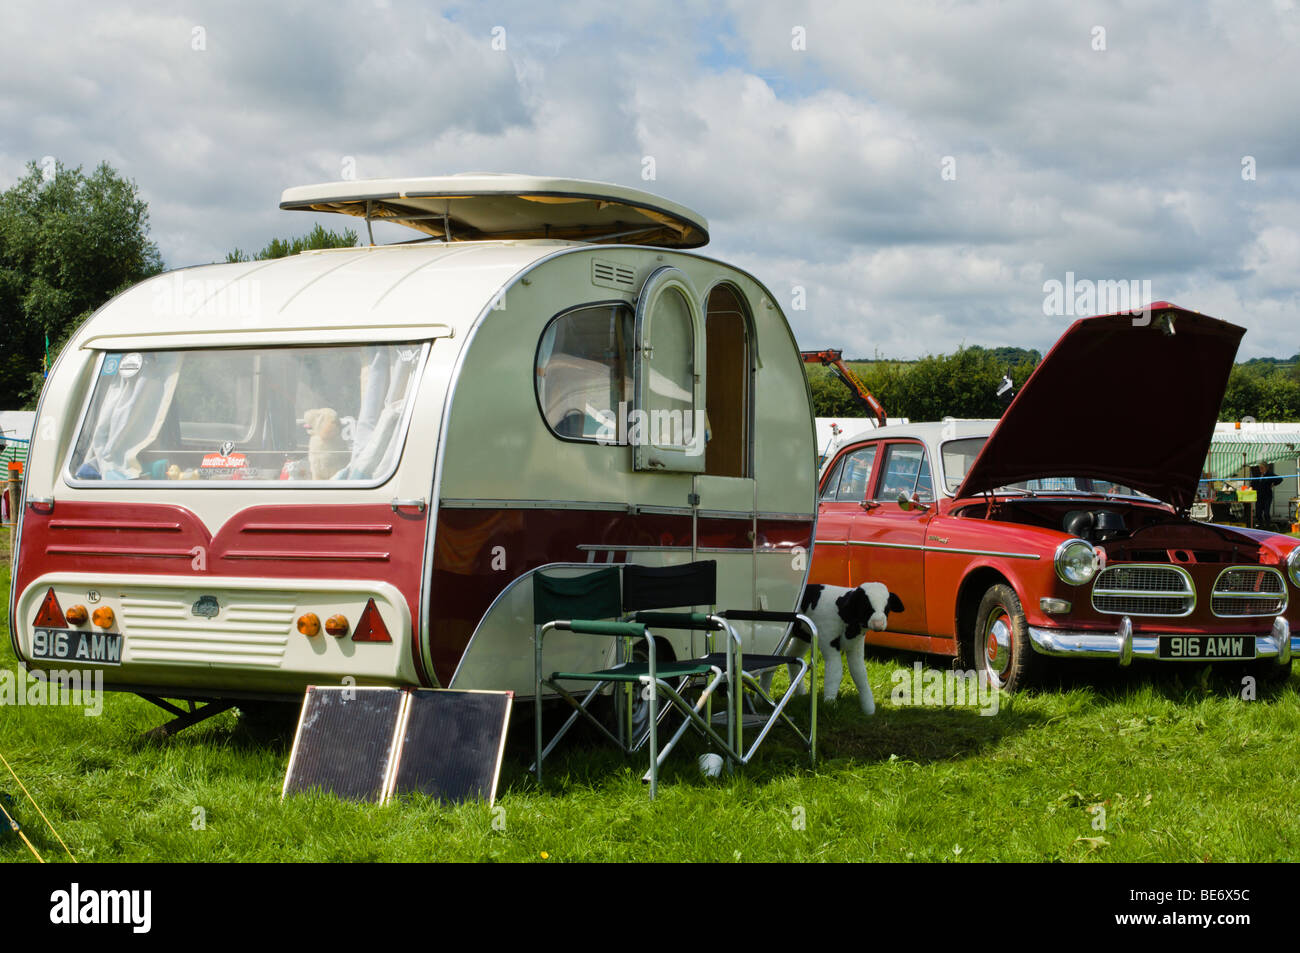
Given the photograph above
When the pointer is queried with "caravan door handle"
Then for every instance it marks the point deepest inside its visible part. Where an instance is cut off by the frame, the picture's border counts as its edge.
(398, 504)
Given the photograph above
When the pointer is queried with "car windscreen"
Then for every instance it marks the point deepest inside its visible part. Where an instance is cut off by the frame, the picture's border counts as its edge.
(959, 455)
(278, 415)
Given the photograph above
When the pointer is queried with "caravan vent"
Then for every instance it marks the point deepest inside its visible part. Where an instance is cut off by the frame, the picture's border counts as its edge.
(606, 274)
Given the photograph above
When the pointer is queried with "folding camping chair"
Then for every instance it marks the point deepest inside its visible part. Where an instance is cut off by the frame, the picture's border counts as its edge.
(649, 589)
(752, 665)
(583, 605)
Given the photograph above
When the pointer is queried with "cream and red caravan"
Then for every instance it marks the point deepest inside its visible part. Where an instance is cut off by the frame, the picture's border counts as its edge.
(247, 478)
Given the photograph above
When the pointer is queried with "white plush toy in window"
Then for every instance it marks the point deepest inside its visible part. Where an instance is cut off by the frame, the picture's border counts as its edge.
(327, 451)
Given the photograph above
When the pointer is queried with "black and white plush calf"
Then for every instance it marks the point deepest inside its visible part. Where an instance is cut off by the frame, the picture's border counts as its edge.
(841, 615)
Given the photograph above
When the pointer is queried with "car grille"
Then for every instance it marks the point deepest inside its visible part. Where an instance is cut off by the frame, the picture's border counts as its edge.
(1249, 591)
(1144, 590)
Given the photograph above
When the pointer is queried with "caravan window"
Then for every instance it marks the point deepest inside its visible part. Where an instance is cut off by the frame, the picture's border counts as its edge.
(584, 371)
(277, 414)
(669, 369)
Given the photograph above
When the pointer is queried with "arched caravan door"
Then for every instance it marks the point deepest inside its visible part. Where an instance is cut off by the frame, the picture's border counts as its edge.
(693, 386)
(668, 425)
(724, 494)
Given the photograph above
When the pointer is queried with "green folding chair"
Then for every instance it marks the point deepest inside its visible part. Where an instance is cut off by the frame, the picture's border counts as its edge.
(648, 590)
(586, 605)
(752, 665)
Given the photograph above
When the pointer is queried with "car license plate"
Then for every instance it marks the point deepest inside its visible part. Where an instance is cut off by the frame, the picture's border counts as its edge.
(1211, 648)
(73, 645)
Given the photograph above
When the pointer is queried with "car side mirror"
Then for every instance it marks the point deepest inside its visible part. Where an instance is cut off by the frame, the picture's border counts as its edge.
(907, 504)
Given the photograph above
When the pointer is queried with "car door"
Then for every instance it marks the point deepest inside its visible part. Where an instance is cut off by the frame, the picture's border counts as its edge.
(887, 540)
(843, 498)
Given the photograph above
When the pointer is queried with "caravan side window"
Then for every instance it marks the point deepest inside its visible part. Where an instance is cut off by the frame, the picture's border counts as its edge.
(584, 370)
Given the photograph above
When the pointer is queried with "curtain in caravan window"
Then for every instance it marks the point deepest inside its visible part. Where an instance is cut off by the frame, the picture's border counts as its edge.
(387, 380)
(130, 414)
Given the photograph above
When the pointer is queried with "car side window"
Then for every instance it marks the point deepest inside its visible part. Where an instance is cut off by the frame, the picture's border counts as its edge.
(832, 483)
(924, 489)
(855, 475)
(907, 470)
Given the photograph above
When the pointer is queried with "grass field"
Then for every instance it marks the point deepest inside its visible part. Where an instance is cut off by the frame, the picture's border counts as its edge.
(1131, 766)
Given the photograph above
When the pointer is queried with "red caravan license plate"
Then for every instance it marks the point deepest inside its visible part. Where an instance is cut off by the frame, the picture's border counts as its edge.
(1210, 648)
(77, 647)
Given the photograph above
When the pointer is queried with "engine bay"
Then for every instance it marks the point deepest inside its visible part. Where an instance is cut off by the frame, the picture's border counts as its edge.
(1126, 532)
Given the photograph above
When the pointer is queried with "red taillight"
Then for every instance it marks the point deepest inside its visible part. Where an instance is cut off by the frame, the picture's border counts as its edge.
(50, 615)
(371, 628)
(77, 615)
(337, 626)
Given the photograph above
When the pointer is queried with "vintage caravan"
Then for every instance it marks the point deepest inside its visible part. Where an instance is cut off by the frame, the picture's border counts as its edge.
(248, 478)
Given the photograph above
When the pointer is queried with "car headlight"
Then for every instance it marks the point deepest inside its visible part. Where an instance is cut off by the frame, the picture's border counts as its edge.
(1293, 567)
(1076, 561)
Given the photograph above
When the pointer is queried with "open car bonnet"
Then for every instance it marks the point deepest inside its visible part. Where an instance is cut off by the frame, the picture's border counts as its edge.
(1128, 398)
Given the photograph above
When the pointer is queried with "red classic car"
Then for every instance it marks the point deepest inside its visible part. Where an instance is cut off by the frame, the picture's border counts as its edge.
(1062, 529)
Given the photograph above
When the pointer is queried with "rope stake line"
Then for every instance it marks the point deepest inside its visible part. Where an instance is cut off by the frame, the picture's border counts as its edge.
(38, 811)
(13, 826)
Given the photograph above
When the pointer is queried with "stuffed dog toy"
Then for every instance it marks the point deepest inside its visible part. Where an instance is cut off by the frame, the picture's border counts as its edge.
(841, 616)
(327, 451)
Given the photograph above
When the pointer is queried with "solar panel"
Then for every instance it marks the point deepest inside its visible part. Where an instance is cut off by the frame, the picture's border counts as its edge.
(344, 743)
(368, 744)
(452, 744)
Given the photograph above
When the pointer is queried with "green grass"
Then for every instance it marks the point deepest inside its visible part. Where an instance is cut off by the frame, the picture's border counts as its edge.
(1184, 769)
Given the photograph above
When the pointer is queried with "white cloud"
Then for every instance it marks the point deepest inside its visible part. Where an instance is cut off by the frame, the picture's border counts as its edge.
(820, 167)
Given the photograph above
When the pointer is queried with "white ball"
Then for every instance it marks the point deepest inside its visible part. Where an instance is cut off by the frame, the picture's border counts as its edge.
(710, 765)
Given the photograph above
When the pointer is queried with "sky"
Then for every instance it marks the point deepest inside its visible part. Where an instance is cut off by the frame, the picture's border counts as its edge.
(906, 178)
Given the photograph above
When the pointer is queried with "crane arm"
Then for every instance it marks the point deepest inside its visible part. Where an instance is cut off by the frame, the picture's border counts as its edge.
(834, 360)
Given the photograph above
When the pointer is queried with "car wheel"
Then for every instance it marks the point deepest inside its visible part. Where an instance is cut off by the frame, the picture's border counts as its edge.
(1000, 642)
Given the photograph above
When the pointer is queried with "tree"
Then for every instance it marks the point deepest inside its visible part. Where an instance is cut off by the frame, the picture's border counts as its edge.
(1263, 391)
(962, 384)
(68, 243)
(317, 238)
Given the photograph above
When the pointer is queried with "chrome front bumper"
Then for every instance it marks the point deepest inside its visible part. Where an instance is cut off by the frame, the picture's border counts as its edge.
(1124, 646)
